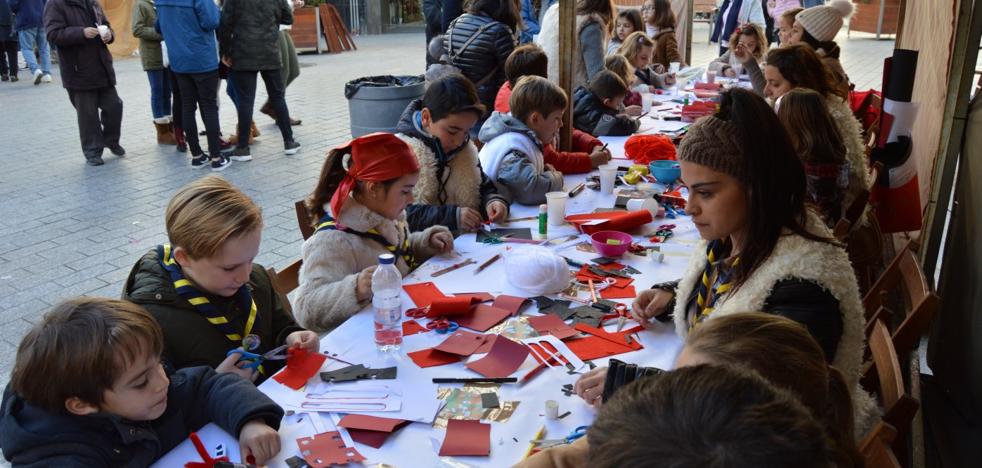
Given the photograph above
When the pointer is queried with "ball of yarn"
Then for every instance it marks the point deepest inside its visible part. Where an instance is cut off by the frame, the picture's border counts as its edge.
(643, 149)
(537, 270)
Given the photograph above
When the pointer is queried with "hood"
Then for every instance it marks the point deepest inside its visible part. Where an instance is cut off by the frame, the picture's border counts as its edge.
(411, 125)
(149, 283)
(29, 434)
(500, 123)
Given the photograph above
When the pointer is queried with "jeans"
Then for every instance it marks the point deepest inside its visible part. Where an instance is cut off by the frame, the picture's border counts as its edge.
(96, 129)
(28, 39)
(200, 89)
(245, 82)
(812, 3)
(159, 92)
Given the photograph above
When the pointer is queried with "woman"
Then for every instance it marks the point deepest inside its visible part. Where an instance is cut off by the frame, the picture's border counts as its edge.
(594, 20)
(816, 27)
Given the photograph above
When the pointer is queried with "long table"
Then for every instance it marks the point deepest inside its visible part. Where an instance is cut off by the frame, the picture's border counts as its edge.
(418, 444)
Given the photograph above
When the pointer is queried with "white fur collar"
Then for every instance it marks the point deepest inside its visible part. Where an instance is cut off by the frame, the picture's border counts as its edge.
(462, 175)
(358, 217)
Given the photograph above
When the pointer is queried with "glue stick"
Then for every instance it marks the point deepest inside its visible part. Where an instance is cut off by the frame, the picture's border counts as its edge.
(543, 221)
(552, 410)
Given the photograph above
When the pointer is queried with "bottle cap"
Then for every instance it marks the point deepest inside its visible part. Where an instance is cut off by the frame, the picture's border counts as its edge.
(386, 259)
(543, 208)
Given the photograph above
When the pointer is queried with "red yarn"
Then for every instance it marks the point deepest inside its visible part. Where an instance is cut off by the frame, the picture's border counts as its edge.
(643, 149)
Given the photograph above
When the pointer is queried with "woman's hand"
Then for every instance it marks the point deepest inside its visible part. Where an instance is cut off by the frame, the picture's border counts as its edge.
(232, 365)
(497, 211)
(650, 304)
(363, 286)
(470, 219)
(304, 339)
(590, 387)
(441, 241)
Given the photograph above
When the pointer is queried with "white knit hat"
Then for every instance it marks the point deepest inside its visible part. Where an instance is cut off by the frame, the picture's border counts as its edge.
(823, 22)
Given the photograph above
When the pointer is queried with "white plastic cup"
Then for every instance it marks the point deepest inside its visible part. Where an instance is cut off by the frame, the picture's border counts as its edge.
(646, 99)
(552, 410)
(674, 67)
(710, 77)
(103, 31)
(649, 204)
(556, 206)
(608, 173)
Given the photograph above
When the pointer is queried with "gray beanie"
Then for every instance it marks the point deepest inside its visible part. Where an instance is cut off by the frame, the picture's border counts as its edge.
(824, 22)
(716, 144)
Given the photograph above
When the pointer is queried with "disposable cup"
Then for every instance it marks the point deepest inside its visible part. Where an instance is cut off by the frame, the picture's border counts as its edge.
(646, 99)
(103, 30)
(710, 77)
(556, 207)
(674, 67)
(608, 173)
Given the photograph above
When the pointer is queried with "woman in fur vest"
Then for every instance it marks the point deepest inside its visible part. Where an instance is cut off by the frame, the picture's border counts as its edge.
(593, 27)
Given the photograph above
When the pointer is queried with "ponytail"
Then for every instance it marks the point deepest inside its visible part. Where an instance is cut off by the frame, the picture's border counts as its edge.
(838, 421)
(331, 175)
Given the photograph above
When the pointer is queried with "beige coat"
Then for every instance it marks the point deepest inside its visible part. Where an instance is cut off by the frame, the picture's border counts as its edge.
(332, 261)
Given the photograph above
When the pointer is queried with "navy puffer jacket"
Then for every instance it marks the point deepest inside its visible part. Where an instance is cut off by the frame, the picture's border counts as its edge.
(484, 58)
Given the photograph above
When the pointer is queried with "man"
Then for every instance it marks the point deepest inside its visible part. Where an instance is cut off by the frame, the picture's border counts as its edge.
(288, 60)
(81, 31)
(30, 32)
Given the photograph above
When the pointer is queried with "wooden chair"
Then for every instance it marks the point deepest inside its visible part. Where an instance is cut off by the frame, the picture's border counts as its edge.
(303, 219)
(285, 281)
(876, 448)
(887, 384)
(857, 208)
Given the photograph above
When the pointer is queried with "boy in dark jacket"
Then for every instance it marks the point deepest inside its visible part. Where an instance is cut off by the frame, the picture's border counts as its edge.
(596, 108)
(81, 31)
(452, 190)
(88, 389)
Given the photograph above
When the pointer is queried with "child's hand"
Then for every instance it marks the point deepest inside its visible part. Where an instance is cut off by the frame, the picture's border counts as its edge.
(550, 168)
(669, 79)
(363, 288)
(741, 53)
(497, 211)
(304, 339)
(599, 156)
(441, 241)
(633, 111)
(258, 440)
(590, 387)
(231, 365)
(652, 89)
(658, 68)
(470, 219)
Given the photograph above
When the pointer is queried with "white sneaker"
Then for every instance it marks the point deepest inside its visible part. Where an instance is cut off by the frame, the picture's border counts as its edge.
(46, 78)
(37, 77)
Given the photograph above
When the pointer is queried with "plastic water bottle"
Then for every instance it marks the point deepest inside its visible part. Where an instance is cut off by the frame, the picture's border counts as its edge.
(386, 288)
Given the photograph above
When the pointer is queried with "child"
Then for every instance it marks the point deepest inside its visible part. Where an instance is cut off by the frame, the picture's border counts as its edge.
(358, 209)
(596, 109)
(587, 152)
(619, 65)
(203, 287)
(637, 50)
(452, 189)
(731, 14)
(748, 37)
(88, 389)
(817, 27)
(666, 46)
(785, 24)
(512, 153)
(818, 143)
(628, 21)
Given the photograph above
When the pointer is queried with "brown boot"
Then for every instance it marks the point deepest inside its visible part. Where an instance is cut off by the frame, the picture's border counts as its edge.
(267, 109)
(165, 136)
(253, 132)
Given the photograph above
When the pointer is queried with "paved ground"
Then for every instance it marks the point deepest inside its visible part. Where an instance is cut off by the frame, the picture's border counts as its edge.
(67, 229)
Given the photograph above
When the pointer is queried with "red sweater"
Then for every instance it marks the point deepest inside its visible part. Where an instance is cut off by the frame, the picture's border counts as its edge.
(567, 162)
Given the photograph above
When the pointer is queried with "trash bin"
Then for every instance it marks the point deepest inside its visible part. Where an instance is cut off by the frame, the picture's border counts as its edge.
(375, 103)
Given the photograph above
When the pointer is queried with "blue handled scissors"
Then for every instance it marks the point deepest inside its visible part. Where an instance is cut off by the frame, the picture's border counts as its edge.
(547, 443)
(256, 360)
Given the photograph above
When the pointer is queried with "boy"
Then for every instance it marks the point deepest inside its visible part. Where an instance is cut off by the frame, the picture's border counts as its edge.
(596, 108)
(203, 288)
(452, 190)
(587, 152)
(512, 153)
(88, 389)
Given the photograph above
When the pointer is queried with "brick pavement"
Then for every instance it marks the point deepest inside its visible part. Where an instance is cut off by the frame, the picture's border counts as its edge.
(67, 229)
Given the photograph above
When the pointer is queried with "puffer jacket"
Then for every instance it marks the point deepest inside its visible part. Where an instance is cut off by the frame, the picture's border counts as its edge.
(447, 181)
(592, 116)
(144, 18)
(189, 26)
(249, 33)
(483, 61)
(512, 157)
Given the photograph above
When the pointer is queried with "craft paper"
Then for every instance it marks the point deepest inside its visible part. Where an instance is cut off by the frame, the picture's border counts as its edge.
(455, 305)
(461, 343)
(480, 296)
(370, 430)
(515, 328)
(546, 347)
(616, 338)
(552, 325)
(516, 233)
(350, 398)
(510, 303)
(301, 365)
(467, 402)
(466, 438)
(504, 358)
(618, 293)
(412, 327)
(431, 357)
(483, 318)
(486, 346)
(610, 221)
(602, 344)
(359, 372)
(542, 302)
(490, 400)
(423, 294)
(327, 449)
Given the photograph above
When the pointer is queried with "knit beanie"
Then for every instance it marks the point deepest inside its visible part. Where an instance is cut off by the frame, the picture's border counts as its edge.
(823, 22)
(716, 144)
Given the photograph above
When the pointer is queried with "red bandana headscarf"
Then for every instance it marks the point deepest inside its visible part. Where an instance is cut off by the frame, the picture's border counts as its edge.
(375, 157)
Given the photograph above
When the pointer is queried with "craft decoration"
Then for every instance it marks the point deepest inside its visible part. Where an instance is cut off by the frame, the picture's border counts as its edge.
(537, 270)
(611, 344)
(208, 461)
(692, 112)
(451, 305)
(552, 325)
(358, 372)
(301, 365)
(367, 397)
(552, 352)
(327, 449)
(541, 302)
(490, 400)
(483, 318)
(590, 223)
(461, 343)
(480, 296)
(467, 402)
(465, 438)
(423, 294)
(504, 358)
(370, 430)
(512, 304)
(430, 357)
(559, 308)
(515, 328)
(412, 327)
(497, 235)
(643, 149)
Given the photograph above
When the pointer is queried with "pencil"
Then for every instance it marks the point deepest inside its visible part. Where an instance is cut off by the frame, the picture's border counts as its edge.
(576, 190)
(487, 263)
(538, 436)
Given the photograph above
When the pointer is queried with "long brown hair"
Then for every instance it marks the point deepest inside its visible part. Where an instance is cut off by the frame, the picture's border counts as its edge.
(633, 44)
(663, 15)
(785, 354)
(811, 128)
(604, 8)
(802, 67)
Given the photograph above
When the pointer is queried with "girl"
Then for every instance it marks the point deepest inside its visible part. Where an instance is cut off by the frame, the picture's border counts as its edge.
(785, 22)
(661, 27)
(628, 21)
(358, 209)
(733, 13)
(619, 65)
(817, 27)
(593, 26)
(749, 37)
(819, 145)
(637, 50)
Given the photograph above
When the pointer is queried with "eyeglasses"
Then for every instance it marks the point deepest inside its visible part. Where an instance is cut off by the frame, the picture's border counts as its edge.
(647, 8)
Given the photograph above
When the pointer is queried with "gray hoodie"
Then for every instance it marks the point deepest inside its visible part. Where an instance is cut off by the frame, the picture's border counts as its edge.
(512, 158)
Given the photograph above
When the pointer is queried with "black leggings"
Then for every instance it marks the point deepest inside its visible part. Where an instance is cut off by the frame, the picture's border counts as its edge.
(200, 89)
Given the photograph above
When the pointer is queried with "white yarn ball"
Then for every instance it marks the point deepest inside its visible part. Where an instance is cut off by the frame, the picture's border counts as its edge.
(537, 270)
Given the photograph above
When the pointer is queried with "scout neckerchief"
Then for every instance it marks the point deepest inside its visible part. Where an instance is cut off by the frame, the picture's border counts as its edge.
(243, 300)
(716, 281)
(327, 223)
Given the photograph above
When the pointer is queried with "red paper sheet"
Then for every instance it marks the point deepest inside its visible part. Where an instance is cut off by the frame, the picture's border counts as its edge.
(327, 449)
(412, 327)
(614, 221)
(370, 430)
(374, 439)
(488, 343)
(510, 303)
(455, 305)
(430, 357)
(550, 324)
(466, 437)
(505, 357)
(602, 344)
(483, 318)
(480, 296)
(423, 294)
(461, 343)
(616, 338)
(301, 365)
(618, 293)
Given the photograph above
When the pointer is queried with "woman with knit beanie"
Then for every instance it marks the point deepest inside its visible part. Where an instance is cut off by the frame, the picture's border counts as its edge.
(817, 27)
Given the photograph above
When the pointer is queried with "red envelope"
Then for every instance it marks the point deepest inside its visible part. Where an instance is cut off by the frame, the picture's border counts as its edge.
(301, 365)
(412, 327)
(611, 221)
(551, 324)
(505, 357)
(618, 293)
(483, 318)
(327, 449)
(451, 305)
(480, 296)
(461, 343)
(370, 430)
(510, 303)
(423, 294)
(430, 357)
(466, 437)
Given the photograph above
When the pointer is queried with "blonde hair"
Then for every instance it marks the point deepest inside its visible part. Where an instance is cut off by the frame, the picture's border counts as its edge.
(621, 67)
(206, 213)
(750, 30)
(536, 94)
(633, 45)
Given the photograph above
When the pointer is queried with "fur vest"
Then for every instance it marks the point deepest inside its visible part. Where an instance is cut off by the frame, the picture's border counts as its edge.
(852, 138)
(462, 176)
(548, 39)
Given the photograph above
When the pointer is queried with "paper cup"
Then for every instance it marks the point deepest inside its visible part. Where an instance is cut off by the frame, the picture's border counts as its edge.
(103, 31)
(649, 204)
(646, 99)
(556, 206)
(674, 67)
(608, 173)
(710, 77)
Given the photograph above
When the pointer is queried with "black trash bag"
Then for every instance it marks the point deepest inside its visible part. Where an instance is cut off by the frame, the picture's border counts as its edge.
(382, 81)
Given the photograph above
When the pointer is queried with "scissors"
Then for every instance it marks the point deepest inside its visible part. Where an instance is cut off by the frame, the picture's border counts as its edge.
(256, 360)
(442, 326)
(418, 312)
(622, 315)
(547, 443)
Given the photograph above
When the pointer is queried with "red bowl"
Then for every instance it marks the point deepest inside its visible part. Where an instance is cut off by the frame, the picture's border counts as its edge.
(600, 238)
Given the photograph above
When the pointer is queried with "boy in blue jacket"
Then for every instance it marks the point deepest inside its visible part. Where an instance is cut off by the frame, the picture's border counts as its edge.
(88, 390)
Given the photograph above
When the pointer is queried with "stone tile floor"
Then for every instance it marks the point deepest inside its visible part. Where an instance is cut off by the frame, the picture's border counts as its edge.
(67, 229)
